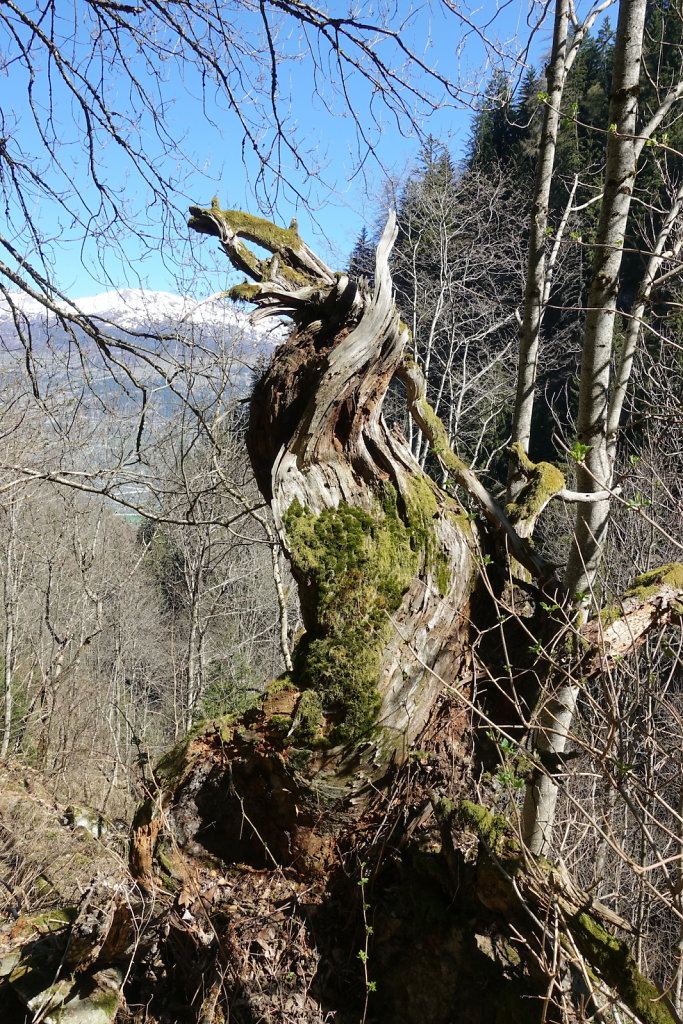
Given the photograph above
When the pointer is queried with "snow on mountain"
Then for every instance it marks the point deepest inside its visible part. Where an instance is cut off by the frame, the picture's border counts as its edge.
(134, 309)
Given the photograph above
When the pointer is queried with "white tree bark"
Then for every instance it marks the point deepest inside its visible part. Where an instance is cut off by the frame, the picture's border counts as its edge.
(534, 306)
(595, 472)
(539, 267)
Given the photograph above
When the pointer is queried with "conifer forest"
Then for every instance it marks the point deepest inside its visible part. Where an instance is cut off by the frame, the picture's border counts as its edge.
(341, 661)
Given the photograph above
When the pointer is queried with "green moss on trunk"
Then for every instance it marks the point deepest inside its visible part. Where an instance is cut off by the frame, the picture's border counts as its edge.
(356, 567)
(615, 963)
(359, 567)
(605, 953)
(244, 292)
(493, 830)
(647, 585)
(543, 482)
(259, 230)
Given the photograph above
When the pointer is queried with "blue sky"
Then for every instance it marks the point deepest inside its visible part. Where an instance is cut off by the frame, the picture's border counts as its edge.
(92, 252)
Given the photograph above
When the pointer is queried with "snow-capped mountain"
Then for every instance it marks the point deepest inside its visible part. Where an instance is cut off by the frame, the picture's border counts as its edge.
(139, 311)
(175, 353)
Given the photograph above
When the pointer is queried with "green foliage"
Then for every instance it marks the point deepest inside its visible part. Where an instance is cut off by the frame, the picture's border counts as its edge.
(496, 130)
(637, 501)
(227, 689)
(579, 451)
(362, 258)
(515, 763)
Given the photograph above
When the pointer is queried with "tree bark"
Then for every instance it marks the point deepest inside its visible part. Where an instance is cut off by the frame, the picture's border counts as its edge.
(594, 472)
(534, 305)
(539, 269)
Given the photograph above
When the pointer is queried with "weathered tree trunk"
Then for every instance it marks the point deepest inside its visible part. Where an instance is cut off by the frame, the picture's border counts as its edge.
(385, 563)
(319, 858)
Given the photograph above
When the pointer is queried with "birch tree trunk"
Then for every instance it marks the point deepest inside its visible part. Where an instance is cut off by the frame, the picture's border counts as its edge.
(539, 270)
(534, 306)
(594, 473)
(11, 589)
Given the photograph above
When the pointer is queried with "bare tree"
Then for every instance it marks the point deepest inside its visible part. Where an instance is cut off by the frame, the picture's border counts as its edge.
(568, 35)
(457, 269)
(601, 392)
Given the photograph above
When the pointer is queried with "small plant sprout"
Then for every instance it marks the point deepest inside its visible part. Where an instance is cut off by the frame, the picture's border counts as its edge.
(363, 954)
(579, 451)
(638, 501)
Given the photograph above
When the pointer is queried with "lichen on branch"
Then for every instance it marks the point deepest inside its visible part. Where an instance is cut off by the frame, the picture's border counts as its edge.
(543, 482)
(654, 599)
(292, 266)
(410, 374)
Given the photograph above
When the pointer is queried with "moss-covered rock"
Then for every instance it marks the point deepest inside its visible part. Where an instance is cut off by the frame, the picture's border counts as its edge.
(88, 821)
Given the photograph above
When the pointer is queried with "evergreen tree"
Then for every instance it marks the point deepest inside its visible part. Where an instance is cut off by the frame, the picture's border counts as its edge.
(362, 258)
(495, 130)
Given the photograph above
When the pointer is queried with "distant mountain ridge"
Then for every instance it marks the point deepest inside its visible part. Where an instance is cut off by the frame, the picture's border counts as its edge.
(136, 309)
